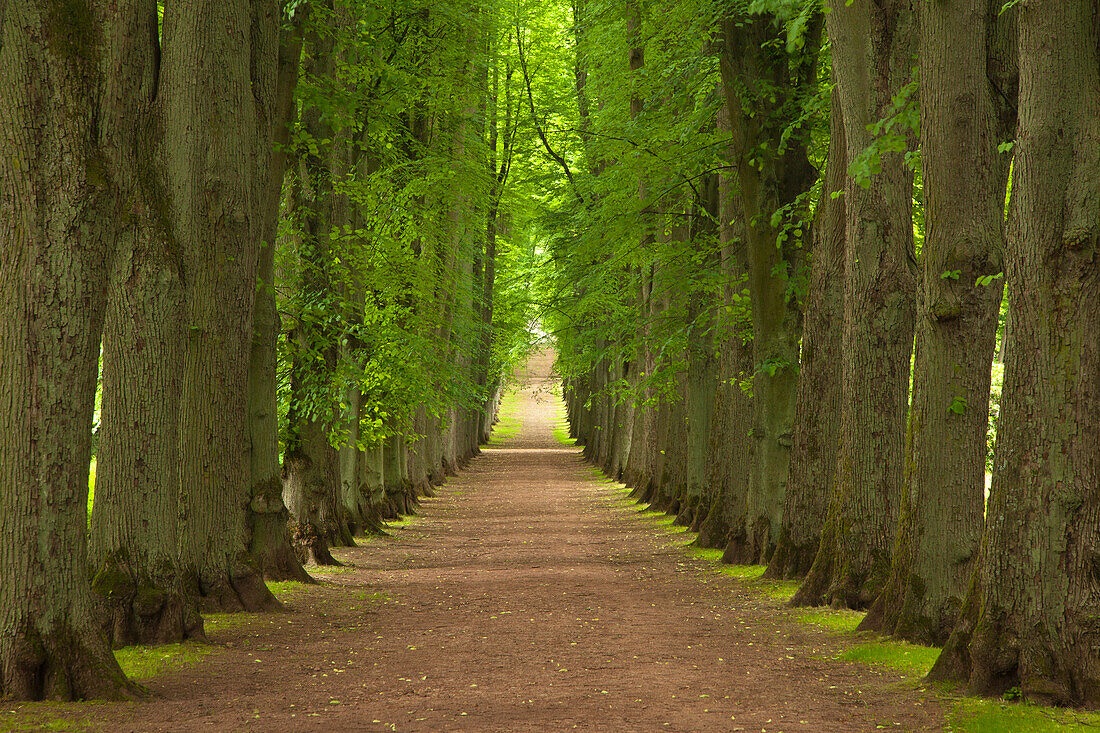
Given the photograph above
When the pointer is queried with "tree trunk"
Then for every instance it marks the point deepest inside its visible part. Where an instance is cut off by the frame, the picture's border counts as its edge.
(269, 544)
(756, 74)
(872, 57)
(964, 192)
(817, 404)
(215, 59)
(1030, 618)
(133, 533)
(53, 273)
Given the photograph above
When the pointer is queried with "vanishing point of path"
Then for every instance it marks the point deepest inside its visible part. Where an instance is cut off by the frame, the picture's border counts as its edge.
(526, 597)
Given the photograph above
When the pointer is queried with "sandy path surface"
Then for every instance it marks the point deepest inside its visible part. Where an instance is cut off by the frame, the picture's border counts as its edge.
(526, 597)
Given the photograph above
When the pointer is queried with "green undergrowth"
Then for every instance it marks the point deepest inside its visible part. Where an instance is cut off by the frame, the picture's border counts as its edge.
(50, 716)
(142, 663)
(832, 620)
(561, 425)
(966, 715)
(781, 590)
(912, 660)
(997, 716)
(508, 420)
(406, 521)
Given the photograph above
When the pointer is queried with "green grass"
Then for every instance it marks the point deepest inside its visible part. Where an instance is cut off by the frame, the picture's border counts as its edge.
(286, 589)
(561, 434)
(913, 660)
(996, 716)
(838, 620)
(406, 521)
(142, 663)
(508, 421)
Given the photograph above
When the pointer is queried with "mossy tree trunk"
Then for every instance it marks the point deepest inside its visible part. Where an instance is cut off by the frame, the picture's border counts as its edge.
(872, 46)
(965, 96)
(133, 548)
(53, 274)
(817, 401)
(269, 544)
(1030, 617)
(218, 61)
(773, 176)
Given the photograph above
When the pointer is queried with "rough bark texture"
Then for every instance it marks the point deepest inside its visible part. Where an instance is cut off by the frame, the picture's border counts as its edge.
(730, 450)
(943, 506)
(217, 57)
(1030, 618)
(760, 75)
(268, 537)
(872, 56)
(817, 405)
(52, 292)
(133, 535)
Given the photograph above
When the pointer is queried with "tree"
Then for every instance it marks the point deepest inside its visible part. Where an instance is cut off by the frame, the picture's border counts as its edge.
(54, 186)
(1030, 614)
(218, 60)
(967, 110)
(817, 403)
(872, 55)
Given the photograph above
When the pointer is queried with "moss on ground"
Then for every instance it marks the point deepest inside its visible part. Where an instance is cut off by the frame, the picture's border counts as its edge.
(997, 716)
(832, 620)
(141, 663)
(912, 660)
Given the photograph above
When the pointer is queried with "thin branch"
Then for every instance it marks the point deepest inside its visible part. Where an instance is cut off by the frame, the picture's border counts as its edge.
(534, 116)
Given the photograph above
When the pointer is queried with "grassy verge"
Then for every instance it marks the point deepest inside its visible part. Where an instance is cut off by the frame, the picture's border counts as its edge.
(508, 420)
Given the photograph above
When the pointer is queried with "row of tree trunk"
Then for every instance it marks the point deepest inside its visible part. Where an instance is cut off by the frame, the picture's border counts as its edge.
(793, 440)
(140, 196)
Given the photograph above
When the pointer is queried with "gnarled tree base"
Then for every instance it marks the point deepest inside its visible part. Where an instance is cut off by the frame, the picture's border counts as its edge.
(141, 610)
(61, 664)
(310, 546)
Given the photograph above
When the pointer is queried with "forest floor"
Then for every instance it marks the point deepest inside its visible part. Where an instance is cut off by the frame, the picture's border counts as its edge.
(529, 595)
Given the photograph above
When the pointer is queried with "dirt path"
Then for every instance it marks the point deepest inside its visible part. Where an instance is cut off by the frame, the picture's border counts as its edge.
(525, 599)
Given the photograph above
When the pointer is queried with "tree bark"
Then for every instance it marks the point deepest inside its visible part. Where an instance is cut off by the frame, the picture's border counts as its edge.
(756, 74)
(269, 544)
(943, 506)
(1030, 618)
(872, 57)
(817, 403)
(53, 272)
(216, 58)
(133, 530)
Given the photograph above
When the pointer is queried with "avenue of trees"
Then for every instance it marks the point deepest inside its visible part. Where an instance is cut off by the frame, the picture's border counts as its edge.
(268, 248)
(265, 266)
(794, 241)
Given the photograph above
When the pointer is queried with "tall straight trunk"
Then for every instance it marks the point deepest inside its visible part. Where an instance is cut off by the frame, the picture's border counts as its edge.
(872, 44)
(53, 271)
(731, 448)
(216, 58)
(371, 491)
(943, 507)
(1030, 618)
(269, 545)
(817, 403)
(312, 417)
(756, 74)
(133, 547)
(133, 542)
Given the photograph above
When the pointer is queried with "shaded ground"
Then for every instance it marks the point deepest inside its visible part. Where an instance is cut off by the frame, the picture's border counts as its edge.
(526, 597)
